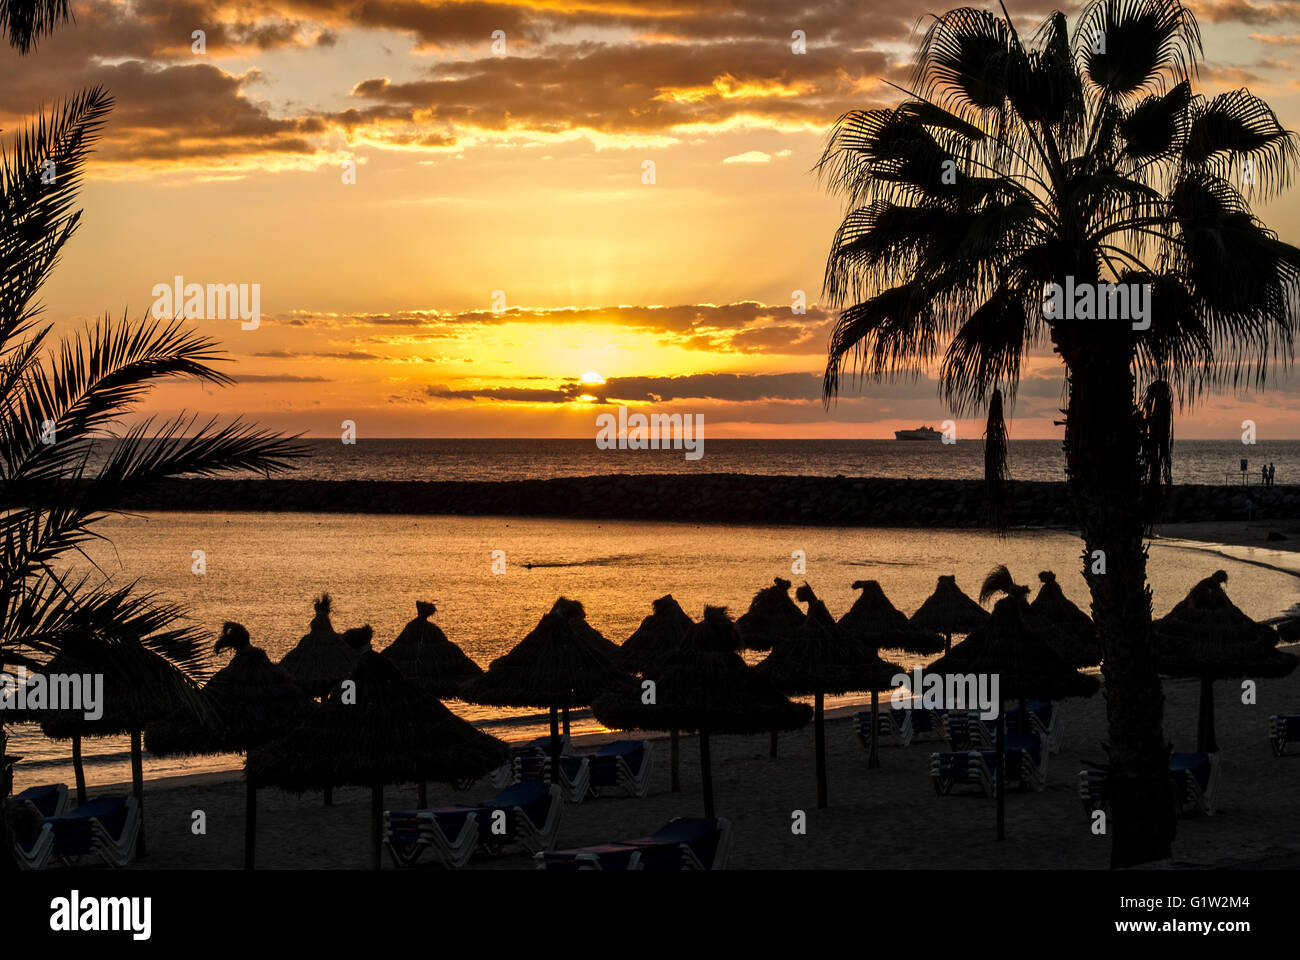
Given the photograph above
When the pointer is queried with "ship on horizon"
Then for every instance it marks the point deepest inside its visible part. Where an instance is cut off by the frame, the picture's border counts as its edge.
(920, 433)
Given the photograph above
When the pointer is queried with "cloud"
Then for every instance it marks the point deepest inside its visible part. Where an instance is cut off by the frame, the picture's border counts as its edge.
(277, 378)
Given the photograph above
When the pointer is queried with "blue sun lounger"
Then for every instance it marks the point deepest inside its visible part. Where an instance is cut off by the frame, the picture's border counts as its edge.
(1044, 718)
(1026, 765)
(51, 800)
(1283, 728)
(682, 844)
(1195, 777)
(899, 724)
(105, 827)
(526, 813)
(575, 773)
(623, 766)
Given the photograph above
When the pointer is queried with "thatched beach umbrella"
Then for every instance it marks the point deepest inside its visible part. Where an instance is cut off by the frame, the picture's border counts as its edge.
(573, 611)
(660, 634)
(139, 687)
(772, 617)
(423, 653)
(1026, 667)
(390, 733)
(1074, 635)
(1206, 636)
(253, 701)
(321, 659)
(877, 624)
(553, 667)
(948, 611)
(820, 658)
(705, 686)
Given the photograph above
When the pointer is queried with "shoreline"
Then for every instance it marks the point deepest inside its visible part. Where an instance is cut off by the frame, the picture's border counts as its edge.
(761, 500)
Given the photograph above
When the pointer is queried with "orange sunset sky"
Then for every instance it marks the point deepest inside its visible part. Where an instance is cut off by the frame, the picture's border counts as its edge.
(521, 171)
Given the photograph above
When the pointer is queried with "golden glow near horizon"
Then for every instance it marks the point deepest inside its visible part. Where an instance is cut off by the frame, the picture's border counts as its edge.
(447, 227)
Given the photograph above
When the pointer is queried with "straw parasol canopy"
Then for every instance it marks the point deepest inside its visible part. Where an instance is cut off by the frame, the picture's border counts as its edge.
(1026, 667)
(772, 616)
(1208, 637)
(820, 658)
(423, 653)
(252, 699)
(704, 685)
(392, 733)
(874, 621)
(555, 666)
(659, 634)
(1074, 635)
(948, 611)
(321, 659)
(572, 610)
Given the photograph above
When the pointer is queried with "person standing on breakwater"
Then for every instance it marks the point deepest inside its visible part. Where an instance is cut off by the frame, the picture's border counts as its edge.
(1263, 476)
(1272, 474)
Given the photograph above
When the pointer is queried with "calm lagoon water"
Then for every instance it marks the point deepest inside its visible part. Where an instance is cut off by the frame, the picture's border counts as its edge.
(263, 570)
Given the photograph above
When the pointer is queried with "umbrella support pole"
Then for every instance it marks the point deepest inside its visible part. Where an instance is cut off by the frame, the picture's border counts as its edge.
(566, 722)
(1001, 775)
(423, 798)
(78, 769)
(1206, 742)
(555, 746)
(873, 758)
(250, 823)
(706, 772)
(771, 753)
(137, 789)
(376, 825)
(819, 737)
(675, 752)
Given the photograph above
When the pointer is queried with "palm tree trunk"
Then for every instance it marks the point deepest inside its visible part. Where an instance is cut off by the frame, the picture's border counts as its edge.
(1206, 742)
(566, 721)
(422, 798)
(675, 752)
(78, 769)
(706, 772)
(819, 738)
(1102, 444)
(771, 753)
(329, 796)
(250, 823)
(137, 788)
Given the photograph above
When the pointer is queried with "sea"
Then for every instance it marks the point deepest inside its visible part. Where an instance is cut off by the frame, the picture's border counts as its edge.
(263, 569)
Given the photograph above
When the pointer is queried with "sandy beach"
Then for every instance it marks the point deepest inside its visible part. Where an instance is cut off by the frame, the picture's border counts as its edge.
(886, 818)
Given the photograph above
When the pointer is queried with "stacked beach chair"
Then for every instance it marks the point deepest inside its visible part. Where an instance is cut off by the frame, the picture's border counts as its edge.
(900, 725)
(526, 814)
(104, 829)
(1195, 777)
(1283, 728)
(682, 844)
(621, 766)
(1026, 759)
(50, 801)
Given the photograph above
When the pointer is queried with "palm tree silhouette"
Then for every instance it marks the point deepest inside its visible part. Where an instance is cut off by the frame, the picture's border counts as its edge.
(1016, 163)
(59, 404)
